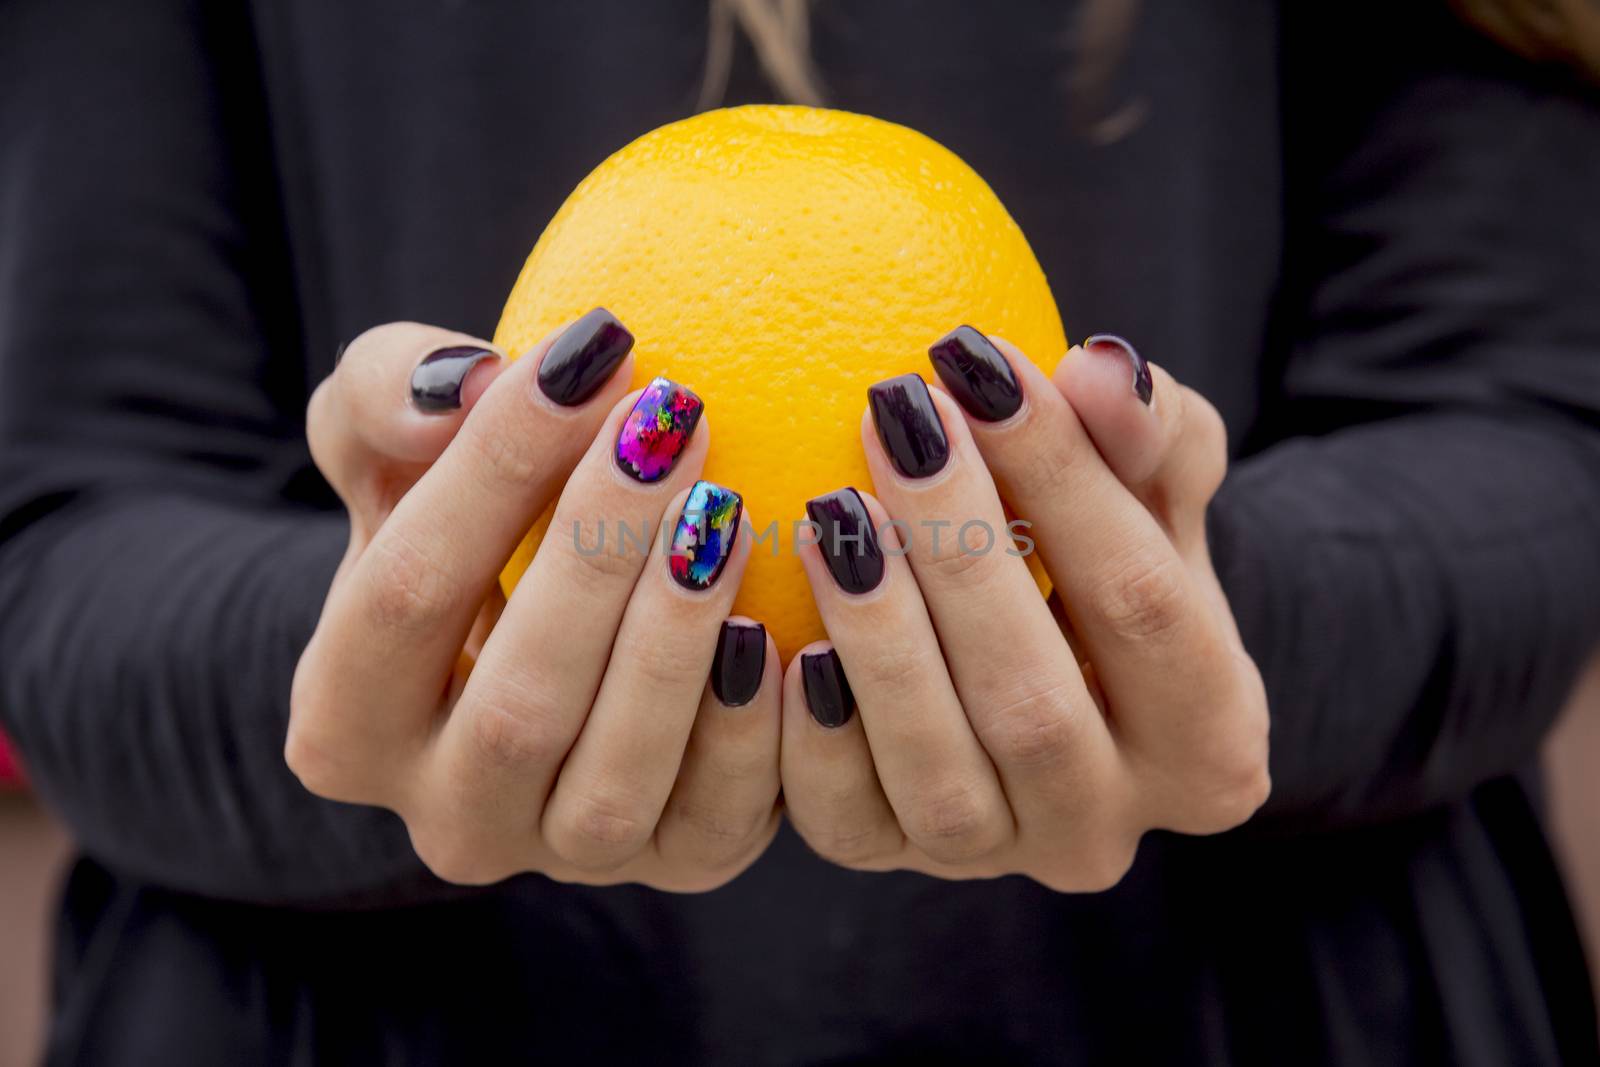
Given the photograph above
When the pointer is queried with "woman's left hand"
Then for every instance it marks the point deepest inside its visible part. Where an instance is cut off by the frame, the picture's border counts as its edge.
(995, 735)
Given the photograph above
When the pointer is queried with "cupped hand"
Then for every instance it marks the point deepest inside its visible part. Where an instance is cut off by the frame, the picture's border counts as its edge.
(998, 733)
(569, 730)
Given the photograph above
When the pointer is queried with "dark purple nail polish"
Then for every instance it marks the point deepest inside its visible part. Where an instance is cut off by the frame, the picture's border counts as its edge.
(1109, 344)
(739, 664)
(848, 542)
(436, 382)
(828, 693)
(583, 357)
(705, 535)
(908, 425)
(657, 430)
(977, 374)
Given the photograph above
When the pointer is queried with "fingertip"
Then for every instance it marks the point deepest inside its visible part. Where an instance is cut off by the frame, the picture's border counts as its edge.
(1118, 350)
(480, 377)
(404, 388)
(841, 553)
(1107, 385)
(582, 357)
(707, 553)
(824, 688)
(658, 433)
(741, 669)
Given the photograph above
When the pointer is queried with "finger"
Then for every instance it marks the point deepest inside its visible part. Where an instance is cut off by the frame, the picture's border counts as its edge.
(830, 786)
(1140, 614)
(724, 806)
(397, 397)
(935, 774)
(1161, 439)
(615, 782)
(391, 632)
(1016, 676)
(541, 668)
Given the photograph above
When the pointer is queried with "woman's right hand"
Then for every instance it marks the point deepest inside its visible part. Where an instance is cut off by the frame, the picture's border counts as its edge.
(569, 730)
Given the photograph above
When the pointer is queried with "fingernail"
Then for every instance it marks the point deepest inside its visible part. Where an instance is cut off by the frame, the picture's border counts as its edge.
(848, 543)
(1109, 344)
(828, 693)
(583, 357)
(908, 425)
(436, 382)
(740, 662)
(705, 535)
(657, 429)
(977, 374)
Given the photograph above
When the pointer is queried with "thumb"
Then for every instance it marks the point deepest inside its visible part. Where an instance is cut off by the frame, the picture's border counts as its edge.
(396, 399)
(1161, 439)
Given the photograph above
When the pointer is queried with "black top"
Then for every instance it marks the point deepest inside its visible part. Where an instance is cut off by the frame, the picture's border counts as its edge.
(1369, 236)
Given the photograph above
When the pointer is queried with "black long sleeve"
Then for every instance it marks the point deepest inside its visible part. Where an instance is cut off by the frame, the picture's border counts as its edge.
(157, 576)
(1418, 570)
(1365, 234)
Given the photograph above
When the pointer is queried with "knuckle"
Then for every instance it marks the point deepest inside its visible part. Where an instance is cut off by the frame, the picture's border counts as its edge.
(454, 857)
(1203, 422)
(598, 832)
(1107, 865)
(1246, 793)
(1244, 779)
(848, 844)
(955, 827)
(1054, 469)
(1034, 729)
(321, 426)
(1236, 792)
(309, 762)
(507, 735)
(952, 564)
(1143, 599)
(309, 747)
(1094, 869)
(748, 765)
(1228, 802)
(609, 565)
(717, 839)
(1227, 777)
(407, 590)
(899, 666)
(505, 457)
(1207, 442)
(668, 665)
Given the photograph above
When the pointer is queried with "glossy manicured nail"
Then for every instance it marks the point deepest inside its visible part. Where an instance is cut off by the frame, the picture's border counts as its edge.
(977, 374)
(657, 430)
(583, 357)
(739, 664)
(705, 535)
(908, 425)
(848, 543)
(1109, 344)
(828, 693)
(436, 383)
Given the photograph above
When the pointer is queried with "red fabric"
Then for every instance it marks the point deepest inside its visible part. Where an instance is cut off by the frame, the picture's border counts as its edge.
(10, 769)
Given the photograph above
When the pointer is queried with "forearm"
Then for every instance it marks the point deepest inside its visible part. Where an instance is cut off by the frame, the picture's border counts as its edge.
(1419, 594)
(149, 644)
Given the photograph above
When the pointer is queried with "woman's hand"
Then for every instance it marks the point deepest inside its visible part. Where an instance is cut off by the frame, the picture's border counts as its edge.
(995, 737)
(569, 730)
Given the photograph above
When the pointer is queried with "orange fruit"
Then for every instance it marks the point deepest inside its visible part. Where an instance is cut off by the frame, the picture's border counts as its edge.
(779, 260)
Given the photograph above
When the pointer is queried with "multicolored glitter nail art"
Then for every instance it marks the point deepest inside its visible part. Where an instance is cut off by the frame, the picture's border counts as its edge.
(657, 429)
(705, 535)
